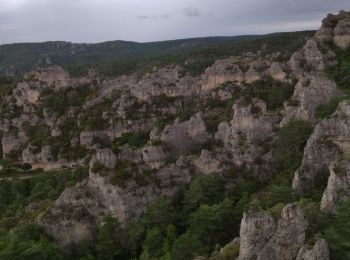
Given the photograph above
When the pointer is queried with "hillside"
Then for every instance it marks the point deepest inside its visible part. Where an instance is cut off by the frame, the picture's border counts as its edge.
(111, 57)
(237, 150)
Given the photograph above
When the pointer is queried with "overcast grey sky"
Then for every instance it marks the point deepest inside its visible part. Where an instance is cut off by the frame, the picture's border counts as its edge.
(153, 20)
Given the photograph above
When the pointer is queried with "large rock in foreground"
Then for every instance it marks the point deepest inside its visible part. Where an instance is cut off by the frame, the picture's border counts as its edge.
(328, 142)
(263, 238)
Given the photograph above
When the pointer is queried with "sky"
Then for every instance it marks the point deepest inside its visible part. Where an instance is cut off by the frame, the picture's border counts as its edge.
(93, 21)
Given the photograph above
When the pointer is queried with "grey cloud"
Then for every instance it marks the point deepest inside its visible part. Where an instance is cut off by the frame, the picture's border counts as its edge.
(154, 17)
(153, 20)
(192, 12)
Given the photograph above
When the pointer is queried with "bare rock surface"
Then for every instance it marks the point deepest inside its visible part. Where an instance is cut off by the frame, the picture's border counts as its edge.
(263, 238)
(328, 142)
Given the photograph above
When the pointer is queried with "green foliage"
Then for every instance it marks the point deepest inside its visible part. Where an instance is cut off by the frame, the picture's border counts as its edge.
(213, 224)
(290, 142)
(197, 67)
(28, 241)
(338, 233)
(273, 92)
(20, 237)
(204, 190)
(108, 245)
(36, 133)
(340, 72)
(136, 140)
(323, 111)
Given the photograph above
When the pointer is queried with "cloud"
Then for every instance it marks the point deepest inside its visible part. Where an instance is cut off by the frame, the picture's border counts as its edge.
(154, 20)
(154, 17)
(192, 12)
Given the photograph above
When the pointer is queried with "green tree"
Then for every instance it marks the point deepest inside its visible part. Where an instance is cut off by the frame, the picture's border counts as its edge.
(108, 244)
(338, 234)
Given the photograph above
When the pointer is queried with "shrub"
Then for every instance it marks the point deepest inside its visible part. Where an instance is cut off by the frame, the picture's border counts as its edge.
(136, 140)
(290, 142)
(323, 111)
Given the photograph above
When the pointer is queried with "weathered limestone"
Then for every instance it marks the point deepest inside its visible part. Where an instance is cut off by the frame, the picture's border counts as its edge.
(250, 127)
(338, 188)
(264, 239)
(329, 140)
(310, 92)
(181, 137)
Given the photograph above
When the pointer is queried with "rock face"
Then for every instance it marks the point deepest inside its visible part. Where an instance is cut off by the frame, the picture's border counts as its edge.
(251, 125)
(257, 228)
(12, 142)
(52, 76)
(207, 163)
(78, 212)
(338, 187)
(311, 91)
(276, 72)
(319, 251)
(336, 29)
(222, 71)
(181, 137)
(264, 239)
(329, 140)
(104, 156)
(165, 81)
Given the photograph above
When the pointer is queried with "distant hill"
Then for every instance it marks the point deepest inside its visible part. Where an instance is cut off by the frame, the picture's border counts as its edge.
(15, 59)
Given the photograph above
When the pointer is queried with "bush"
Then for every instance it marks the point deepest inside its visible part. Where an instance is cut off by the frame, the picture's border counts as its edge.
(136, 140)
(323, 111)
(290, 142)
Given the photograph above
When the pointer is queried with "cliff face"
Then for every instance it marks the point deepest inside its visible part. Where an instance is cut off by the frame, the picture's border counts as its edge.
(144, 138)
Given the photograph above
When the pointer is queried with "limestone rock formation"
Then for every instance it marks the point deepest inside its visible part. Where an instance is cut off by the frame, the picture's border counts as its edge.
(183, 136)
(311, 91)
(319, 251)
(78, 212)
(263, 238)
(207, 163)
(251, 125)
(335, 28)
(220, 72)
(51, 76)
(105, 157)
(338, 188)
(325, 146)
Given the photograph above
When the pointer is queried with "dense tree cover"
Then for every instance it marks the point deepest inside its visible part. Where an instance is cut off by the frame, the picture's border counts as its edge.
(21, 200)
(201, 56)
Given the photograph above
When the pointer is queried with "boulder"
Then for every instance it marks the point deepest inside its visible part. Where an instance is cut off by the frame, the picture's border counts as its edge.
(338, 187)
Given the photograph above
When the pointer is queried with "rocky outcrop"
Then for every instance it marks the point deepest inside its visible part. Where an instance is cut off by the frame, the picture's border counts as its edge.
(336, 29)
(78, 212)
(244, 137)
(276, 72)
(338, 187)
(319, 251)
(181, 137)
(207, 164)
(265, 239)
(154, 156)
(51, 76)
(12, 142)
(105, 157)
(328, 142)
(311, 91)
(165, 81)
(256, 230)
(222, 71)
